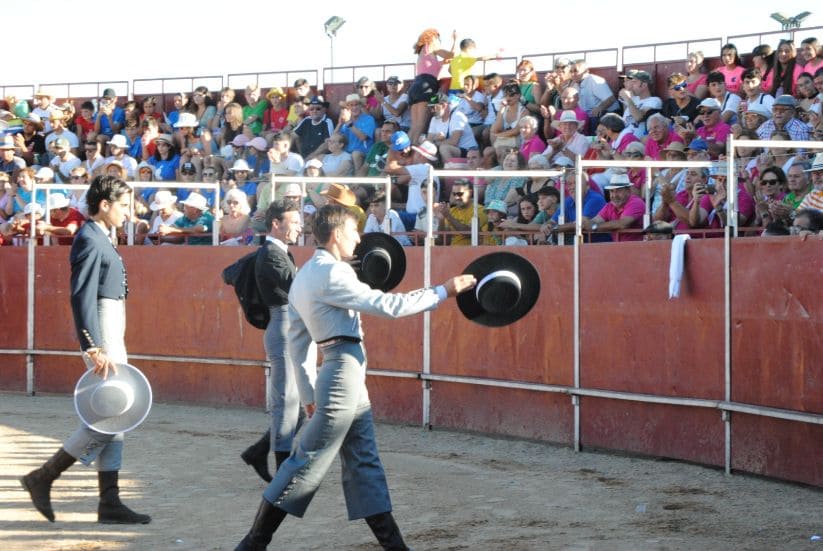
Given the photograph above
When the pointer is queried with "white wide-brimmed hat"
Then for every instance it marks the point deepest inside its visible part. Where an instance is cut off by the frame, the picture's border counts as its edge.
(116, 404)
(57, 201)
(195, 200)
(163, 199)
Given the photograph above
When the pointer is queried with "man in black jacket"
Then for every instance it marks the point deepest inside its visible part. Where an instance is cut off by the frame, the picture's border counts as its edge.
(274, 272)
(98, 303)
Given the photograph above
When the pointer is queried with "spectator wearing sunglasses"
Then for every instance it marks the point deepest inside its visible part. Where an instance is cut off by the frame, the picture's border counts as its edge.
(714, 130)
(680, 107)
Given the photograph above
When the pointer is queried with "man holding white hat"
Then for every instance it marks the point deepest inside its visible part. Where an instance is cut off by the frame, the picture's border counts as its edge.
(196, 219)
(98, 294)
(624, 211)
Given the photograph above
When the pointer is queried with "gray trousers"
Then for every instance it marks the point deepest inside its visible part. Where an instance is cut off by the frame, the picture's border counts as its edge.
(88, 445)
(286, 413)
(342, 423)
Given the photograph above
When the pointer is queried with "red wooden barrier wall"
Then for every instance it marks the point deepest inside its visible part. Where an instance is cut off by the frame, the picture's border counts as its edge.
(633, 339)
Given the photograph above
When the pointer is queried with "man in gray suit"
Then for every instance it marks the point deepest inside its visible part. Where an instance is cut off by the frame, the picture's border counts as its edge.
(98, 303)
(325, 302)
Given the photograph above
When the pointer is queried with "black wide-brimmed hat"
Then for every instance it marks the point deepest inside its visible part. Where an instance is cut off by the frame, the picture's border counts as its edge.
(381, 261)
(507, 287)
(118, 403)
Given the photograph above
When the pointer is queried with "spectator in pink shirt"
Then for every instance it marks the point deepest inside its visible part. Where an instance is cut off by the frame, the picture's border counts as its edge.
(530, 141)
(570, 101)
(714, 130)
(624, 211)
(660, 136)
(713, 203)
(681, 208)
(732, 68)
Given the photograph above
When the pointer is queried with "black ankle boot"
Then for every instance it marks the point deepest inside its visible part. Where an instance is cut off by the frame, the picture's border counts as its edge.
(280, 457)
(38, 482)
(111, 510)
(257, 455)
(266, 521)
(386, 532)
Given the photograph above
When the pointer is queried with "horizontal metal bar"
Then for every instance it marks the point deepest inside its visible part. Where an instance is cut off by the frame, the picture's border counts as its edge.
(397, 374)
(763, 411)
(147, 357)
(777, 413)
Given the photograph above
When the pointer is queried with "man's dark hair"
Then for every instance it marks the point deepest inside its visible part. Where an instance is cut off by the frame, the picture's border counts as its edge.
(715, 76)
(754, 72)
(613, 122)
(329, 218)
(776, 228)
(393, 124)
(109, 188)
(377, 197)
(815, 218)
(466, 43)
(87, 105)
(282, 137)
(549, 191)
(277, 209)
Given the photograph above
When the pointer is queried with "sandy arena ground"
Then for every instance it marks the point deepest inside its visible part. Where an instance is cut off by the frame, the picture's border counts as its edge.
(450, 491)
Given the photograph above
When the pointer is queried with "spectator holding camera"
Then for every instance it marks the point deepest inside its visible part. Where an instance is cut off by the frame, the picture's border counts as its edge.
(110, 117)
(713, 202)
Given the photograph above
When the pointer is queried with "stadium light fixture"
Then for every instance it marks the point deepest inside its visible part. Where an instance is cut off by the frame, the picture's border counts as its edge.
(788, 22)
(331, 26)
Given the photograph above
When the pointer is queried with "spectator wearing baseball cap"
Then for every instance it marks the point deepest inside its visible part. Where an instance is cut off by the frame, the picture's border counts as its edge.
(314, 129)
(714, 130)
(64, 160)
(449, 128)
(784, 119)
(59, 130)
(358, 126)
(417, 171)
(395, 103)
(637, 99)
(110, 118)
